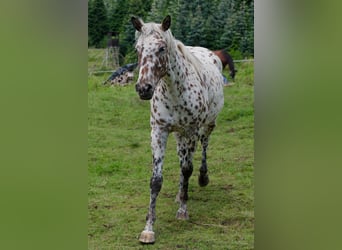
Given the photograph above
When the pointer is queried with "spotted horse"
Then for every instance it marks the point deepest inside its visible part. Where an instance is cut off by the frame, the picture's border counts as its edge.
(185, 87)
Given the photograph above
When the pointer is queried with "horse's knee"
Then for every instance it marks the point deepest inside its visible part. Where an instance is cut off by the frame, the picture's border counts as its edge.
(156, 183)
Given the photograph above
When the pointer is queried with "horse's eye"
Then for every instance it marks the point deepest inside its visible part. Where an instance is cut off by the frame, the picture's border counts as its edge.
(161, 49)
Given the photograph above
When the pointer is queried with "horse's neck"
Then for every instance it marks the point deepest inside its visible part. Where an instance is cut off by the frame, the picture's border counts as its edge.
(177, 69)
(175, 79)
(229, 62)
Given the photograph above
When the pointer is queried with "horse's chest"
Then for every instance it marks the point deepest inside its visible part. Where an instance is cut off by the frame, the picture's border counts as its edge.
(187, 112)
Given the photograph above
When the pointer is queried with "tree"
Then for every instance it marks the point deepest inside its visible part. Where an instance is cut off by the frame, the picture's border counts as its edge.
(215, 24)
(213, 29)
(182, 22)
(91, 20)
(97, 22)
(244, 25)
(249, 34)
(156, 14)
(127, 37)
(196, 32)
(117, 15)
(172, 10)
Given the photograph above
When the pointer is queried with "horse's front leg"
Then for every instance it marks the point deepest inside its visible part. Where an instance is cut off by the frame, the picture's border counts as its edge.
(158, 144)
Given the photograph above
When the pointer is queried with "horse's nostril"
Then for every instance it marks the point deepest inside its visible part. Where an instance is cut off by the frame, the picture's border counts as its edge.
(143, 88)
(148, 87)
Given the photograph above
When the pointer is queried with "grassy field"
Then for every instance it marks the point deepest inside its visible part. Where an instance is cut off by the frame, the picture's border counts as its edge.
(119, 166)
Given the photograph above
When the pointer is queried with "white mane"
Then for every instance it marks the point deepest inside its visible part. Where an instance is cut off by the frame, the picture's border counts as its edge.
(190, 58)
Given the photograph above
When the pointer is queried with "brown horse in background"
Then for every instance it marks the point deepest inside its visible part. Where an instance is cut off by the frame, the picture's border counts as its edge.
(226, 59)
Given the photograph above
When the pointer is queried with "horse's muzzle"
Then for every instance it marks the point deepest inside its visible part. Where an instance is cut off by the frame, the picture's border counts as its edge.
(145, 91)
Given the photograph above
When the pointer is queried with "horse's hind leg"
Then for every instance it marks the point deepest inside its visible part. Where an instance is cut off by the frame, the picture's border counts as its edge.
(186, 148)
(203, 178)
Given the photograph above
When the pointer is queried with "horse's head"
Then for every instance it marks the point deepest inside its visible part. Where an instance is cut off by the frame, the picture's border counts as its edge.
(152, 48)
(232, 74)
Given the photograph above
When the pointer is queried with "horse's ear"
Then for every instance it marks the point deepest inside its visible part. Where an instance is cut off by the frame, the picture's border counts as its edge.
(136, 23)
(166, 23)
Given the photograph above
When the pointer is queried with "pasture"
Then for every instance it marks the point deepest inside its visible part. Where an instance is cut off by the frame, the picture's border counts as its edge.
(119, 167)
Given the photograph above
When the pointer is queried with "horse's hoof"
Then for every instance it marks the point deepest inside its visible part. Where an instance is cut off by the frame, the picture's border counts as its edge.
(182, 215)
(203, 180)
(147, 237)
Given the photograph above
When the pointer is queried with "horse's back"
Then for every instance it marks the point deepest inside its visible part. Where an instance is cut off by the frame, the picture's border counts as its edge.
(206, 57)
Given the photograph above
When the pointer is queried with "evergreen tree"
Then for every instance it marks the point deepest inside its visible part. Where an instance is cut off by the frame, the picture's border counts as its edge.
(139, 8)
(215, 24)
(196, 33)
(250, 28)
(242, 28)
(157, 11)
(238, 31)
(183, 21)
(136, 8)
(117, 15)
(90, 21)
(229, 38)
(213, 28)
(172, 10)
(97, 26)
(210, 33)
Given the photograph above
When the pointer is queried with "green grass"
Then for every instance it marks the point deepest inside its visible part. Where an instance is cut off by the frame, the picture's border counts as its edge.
(119, 166)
